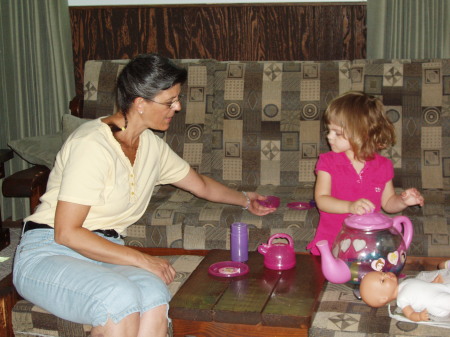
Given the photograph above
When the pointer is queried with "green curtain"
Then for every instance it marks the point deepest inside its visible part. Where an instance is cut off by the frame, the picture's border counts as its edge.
(408, 29)
(36, 74)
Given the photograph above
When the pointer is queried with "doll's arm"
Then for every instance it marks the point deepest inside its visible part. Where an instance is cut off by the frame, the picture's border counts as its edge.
(438, 279)
(415, 316)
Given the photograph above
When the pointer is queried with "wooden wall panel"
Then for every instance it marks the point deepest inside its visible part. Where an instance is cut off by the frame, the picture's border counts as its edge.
(222, 32)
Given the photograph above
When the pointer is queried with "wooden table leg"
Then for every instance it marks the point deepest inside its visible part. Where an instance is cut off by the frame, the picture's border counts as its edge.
(8, 298)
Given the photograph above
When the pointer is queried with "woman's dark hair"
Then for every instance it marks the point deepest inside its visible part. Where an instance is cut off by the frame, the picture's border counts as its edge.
(146, 76)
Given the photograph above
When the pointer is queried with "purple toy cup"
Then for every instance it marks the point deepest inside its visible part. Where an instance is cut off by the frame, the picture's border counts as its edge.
(239, 242)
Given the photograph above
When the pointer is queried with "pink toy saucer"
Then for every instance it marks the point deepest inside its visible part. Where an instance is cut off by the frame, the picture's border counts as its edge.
(228, 269)
(271, 202)
(299, 205)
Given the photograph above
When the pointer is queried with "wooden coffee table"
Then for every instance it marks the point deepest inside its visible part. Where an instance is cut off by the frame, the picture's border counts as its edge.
(262, 303)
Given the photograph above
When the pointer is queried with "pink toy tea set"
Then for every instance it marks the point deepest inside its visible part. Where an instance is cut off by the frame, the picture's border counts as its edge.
(366, 242)
(279, 255)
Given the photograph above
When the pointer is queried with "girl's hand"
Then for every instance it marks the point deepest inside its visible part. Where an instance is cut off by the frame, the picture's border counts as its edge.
(412, 197)
(361, 206)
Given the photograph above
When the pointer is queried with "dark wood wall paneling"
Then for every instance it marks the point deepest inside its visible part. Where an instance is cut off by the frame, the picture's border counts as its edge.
(246, 32)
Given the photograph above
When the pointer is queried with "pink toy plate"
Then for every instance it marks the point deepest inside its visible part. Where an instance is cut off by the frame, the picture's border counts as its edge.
(271, 202)
(299, 205)
(228, 269)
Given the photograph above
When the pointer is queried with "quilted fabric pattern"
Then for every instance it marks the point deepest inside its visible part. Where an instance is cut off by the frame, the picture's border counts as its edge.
(256, 126)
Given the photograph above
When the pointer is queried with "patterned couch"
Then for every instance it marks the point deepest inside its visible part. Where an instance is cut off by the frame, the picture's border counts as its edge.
(256, 126)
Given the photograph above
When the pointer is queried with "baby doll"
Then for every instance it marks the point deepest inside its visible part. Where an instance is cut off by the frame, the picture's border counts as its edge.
(419, 297)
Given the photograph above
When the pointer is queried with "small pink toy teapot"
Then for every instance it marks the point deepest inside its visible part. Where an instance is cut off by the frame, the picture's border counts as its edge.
(366, 242)
(278, 256)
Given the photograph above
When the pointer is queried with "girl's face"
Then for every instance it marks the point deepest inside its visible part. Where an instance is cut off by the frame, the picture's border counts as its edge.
(337, 139)
(158, 113)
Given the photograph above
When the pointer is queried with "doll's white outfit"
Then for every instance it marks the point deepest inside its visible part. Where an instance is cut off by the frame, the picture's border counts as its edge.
(420, 295)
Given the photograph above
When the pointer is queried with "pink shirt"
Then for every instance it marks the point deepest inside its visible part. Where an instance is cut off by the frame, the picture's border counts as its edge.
(347, 184)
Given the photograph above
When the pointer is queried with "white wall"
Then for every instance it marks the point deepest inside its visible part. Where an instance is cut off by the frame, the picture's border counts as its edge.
(178, 2)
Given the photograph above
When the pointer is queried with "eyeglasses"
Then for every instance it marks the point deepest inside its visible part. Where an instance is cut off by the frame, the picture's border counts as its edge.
(170, 105)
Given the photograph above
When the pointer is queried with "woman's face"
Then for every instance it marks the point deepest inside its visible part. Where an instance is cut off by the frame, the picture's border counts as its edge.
(158, 112)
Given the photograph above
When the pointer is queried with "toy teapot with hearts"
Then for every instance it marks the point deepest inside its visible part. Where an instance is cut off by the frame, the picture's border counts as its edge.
(278, 255)
(366, 242)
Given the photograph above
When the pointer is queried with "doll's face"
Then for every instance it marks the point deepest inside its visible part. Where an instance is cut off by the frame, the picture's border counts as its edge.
(378, 288)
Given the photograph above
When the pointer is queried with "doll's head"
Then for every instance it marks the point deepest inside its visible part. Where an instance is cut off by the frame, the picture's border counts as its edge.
(363, 122)
(378, 288)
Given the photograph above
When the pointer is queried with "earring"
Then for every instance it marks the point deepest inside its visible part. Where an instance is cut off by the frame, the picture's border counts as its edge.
(141, 112)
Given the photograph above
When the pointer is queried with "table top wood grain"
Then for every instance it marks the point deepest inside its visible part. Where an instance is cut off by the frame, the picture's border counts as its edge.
(262, 297)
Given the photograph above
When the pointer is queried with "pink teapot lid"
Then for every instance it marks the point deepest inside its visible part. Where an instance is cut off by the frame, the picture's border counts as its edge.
(369, 221)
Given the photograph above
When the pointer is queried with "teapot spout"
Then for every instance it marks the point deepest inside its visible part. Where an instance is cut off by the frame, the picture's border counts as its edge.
(335, 270)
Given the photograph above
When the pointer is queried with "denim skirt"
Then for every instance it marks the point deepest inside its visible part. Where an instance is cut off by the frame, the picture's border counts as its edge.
(78, 289)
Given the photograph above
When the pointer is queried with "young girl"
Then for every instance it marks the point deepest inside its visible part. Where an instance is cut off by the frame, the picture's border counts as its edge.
(353, 178)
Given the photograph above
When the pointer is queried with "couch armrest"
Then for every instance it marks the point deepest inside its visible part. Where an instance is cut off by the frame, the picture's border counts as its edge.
(29, 183)
(76, 106)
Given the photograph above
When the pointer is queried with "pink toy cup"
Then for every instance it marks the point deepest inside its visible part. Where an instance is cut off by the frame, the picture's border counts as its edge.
(278, 256)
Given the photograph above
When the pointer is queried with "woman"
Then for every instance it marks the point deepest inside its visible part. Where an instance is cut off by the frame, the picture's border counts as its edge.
(71, 259)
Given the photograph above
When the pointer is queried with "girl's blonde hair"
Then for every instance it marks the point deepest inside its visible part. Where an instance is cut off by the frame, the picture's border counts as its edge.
(363, 121)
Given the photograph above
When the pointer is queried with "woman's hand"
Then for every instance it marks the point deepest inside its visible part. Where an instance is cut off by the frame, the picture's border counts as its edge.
(160, 267)
(255, 207)
(361, 206)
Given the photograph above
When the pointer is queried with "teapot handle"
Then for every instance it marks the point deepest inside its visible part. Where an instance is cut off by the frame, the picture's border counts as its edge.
(282, 235)
(403, 225)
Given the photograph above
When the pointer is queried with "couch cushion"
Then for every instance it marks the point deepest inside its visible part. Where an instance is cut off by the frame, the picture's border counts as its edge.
(38, 150)
(42, 150)
(177, 219)
(266, 121)
(29, 319)
(99, 87)
(70, 124)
